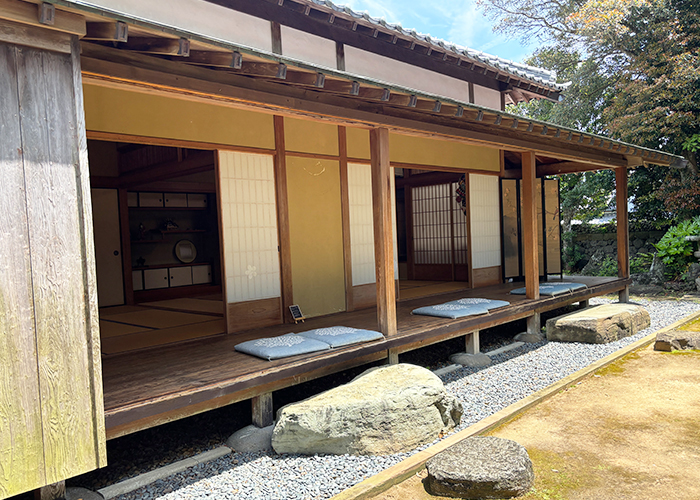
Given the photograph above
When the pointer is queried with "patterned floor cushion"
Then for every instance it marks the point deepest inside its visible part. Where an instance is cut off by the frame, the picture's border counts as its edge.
(452, 311)
(553, 288)
(338, 336)
(487, 303)
(281, 347)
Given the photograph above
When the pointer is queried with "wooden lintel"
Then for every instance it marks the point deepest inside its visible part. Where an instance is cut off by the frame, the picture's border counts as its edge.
(196, 162)
(107, 32)
(623, 241)
(31, 14)
(565, 167)
(383, 230)
(374, 93)
(529, 227)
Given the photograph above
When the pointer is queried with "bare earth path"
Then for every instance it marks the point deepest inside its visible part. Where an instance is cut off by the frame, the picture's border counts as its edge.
(631, 431)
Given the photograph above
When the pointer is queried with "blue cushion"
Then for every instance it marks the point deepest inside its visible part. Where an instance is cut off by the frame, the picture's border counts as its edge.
(553, 288)
(338, 336)
(282, 346)
(487, 303)
(452, 311)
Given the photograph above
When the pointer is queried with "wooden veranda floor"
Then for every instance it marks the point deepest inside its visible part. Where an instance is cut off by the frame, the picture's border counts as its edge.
(150, 387)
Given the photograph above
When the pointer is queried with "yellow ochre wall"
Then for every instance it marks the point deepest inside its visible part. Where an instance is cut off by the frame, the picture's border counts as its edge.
(315, 225)
(124, 112)
(306, 136)
(424, 151)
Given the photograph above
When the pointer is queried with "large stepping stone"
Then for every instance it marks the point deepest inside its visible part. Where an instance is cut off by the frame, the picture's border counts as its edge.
(388, 409)
(599, 324)
(481, 467)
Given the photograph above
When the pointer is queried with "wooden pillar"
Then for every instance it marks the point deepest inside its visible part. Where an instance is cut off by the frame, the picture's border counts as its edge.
(393, 357)
(261, 406)
(623, 241)
(472, 342)
(345, 213)
(383, 233)
(283, 219)
(529, 228)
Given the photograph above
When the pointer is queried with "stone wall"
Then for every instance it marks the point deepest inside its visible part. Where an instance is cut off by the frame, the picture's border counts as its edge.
(641, 242)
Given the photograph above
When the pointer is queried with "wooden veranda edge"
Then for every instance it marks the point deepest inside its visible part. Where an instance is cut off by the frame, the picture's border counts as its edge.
(381, 482)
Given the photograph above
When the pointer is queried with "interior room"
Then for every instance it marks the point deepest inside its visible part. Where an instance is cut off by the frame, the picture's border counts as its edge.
(157, 246)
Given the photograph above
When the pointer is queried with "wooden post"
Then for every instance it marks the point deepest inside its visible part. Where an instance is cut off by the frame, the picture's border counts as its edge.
(583, 304)
(383, 232)
(283, 219)
(263, 414)
(472, 342)
(529, 228)
(56, 491)
(345, 213)
(534, 324)
(393, 357)
(623, 241)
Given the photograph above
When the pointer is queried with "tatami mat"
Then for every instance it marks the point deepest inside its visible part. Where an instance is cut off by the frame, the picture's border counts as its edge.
(158, 318)
(151, 338)
(190, 305)
(111, 311)
(112, 329)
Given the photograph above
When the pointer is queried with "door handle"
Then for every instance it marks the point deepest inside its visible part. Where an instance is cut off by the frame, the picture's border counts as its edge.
(116, 252)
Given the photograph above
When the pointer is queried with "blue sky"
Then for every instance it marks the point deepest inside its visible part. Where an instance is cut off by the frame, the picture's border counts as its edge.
(457, 21)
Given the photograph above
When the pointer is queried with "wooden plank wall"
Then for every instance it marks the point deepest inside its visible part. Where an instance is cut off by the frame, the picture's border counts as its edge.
(50, 369)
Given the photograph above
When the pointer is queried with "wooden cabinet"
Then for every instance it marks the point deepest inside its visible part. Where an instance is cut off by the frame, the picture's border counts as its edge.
(157, 223)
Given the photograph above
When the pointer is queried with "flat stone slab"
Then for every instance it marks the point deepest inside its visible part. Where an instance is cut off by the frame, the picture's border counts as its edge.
(481, 467)
(599, 325)
(677, 340)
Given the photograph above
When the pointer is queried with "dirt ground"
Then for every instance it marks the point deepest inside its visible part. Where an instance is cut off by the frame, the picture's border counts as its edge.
(630, 431)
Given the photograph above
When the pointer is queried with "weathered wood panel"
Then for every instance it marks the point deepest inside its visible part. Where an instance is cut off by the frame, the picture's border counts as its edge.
(51, 406)
(21, 448)
(51, 162)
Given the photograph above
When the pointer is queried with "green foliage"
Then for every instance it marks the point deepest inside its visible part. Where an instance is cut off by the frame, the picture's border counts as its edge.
(608, 267)
(641, 263)
(635, 72)
(674, 250)
(571, 253)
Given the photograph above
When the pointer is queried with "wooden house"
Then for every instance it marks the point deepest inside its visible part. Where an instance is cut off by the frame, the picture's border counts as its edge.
(176, 174)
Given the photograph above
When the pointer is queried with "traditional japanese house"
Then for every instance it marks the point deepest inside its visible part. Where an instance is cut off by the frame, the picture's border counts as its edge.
(176, 174)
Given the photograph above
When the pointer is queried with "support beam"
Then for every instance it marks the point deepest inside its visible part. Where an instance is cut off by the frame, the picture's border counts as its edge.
(263, 414)
(534, 324)
(583, 304)
(472, 342)
(529, 228)
(623, 240)
(393, 357)
(623, 244)
(283, 219)
(383, 233)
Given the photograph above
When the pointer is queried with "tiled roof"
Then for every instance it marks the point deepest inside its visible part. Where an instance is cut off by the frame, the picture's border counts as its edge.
(536, 75)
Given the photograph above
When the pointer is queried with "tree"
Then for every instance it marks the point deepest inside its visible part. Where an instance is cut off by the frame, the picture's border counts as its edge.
(635, 68)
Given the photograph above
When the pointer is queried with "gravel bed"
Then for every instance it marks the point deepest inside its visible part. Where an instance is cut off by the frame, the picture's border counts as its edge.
(513, 376)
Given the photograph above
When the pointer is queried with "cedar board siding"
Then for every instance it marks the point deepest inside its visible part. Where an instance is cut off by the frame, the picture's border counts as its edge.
(52, 424)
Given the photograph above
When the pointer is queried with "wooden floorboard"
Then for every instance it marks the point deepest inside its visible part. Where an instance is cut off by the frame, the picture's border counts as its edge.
(185, 378)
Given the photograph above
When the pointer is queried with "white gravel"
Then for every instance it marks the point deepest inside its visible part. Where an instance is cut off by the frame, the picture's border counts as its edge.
(513, 376)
